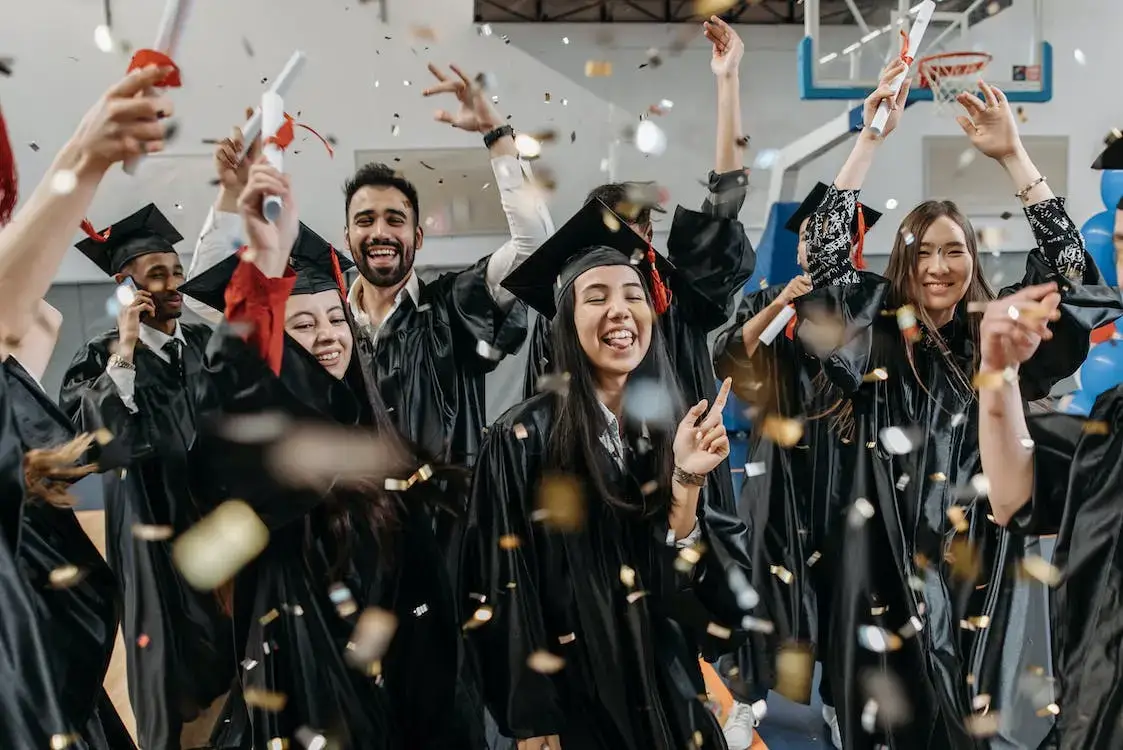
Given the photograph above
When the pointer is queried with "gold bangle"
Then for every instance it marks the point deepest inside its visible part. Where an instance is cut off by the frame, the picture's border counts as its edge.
(1021, 194)
(688, 478)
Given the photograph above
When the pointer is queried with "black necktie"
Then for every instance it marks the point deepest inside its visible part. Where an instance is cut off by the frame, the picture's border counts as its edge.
(174, 351)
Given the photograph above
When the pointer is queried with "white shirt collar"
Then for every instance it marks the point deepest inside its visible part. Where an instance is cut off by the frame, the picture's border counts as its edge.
(30, 373)
(156, 340)
(355, 300)
(610, 438)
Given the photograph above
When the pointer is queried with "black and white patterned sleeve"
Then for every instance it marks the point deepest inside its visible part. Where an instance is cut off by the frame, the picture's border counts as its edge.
(1058, 237)
(830, 239)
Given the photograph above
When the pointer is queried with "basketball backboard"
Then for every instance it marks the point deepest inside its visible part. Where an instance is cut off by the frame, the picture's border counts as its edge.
(843, 61)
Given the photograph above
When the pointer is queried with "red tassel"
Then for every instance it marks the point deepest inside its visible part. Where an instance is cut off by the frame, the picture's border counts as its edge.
(660, 295)
(860, 240)
(9, 179)
(338, 273)
(92, 233)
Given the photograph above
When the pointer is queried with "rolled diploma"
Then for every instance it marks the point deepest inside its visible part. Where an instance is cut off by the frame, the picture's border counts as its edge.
(916, 36)
(280, 86)
(778, 324)
(272, 117)
(167, 40)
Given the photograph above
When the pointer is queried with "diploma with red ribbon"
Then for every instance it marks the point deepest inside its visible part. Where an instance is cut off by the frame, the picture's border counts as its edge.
(272, 120)
(280, 87)
(911, 45)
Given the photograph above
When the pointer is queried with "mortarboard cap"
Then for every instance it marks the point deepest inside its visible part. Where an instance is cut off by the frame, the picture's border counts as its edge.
(1112, 156)
(147, 231)
(812, 201)
(595, 236)
(311, 261)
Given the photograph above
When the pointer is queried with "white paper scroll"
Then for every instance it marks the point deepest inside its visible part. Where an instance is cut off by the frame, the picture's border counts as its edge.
(916, 36)
(280, 87)
(777, 325)
(272, 118)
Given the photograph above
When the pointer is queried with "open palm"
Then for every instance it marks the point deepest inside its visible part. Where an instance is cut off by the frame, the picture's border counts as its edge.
(475, 113)
(989, 122)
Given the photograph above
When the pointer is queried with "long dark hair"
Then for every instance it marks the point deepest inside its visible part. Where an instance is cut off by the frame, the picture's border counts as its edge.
(573, 447)
(904, 262)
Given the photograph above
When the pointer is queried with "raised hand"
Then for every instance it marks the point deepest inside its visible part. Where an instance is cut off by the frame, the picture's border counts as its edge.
(128, 321)
(231, 171)
(884, 92)
(263, 236)
(700, 446)
(795, 289)
(123, 124)
(1013, 327)
(475, 114)
(989, 122)
(728, 49)
(553, 742)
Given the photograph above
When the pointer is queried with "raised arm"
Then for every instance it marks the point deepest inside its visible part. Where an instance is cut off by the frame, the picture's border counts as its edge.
(527, 217)
(119, 126)
(728, 183)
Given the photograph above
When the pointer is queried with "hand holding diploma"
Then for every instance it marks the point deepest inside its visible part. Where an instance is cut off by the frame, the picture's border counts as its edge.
(916, 35)
(252, 129)
(885, 97)
(272, 119)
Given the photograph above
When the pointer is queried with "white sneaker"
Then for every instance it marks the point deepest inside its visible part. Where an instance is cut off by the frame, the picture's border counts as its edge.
(738, 728)
(831, 719)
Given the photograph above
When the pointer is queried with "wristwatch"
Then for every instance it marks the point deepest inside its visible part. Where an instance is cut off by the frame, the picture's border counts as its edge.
(116, 360)
(494, 135)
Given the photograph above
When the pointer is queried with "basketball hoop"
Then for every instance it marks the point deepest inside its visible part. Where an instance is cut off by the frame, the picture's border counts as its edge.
(949, 74)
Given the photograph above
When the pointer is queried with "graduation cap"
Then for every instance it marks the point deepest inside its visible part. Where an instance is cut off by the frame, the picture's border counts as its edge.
(595, 236)
(145, 232)
(1112, 156)
(317, 265)
(864, 218)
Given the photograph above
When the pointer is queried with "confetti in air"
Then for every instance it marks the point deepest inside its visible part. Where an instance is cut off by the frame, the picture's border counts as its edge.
(370, 640)
(63, 182)
(598, 69)
(795, 666)
(545, 662)
(212, 551)
(561, 505)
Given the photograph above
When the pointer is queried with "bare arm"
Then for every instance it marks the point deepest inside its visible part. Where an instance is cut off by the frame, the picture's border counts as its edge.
(1003, 441)
(728, 50)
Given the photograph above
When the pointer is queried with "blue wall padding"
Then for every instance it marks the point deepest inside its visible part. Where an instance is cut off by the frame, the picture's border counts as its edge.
(776, 251)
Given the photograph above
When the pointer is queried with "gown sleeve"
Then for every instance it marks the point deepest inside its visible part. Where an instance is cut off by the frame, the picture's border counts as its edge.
(484, 332)
(1086, 301)
(730, 359)
(523, 702)
(92, 401)
(538, 358)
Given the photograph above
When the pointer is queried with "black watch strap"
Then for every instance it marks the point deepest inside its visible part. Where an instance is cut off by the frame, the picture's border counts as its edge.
(491, 137)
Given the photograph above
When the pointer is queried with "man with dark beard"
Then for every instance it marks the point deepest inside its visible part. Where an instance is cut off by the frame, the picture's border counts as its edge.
(133, 382)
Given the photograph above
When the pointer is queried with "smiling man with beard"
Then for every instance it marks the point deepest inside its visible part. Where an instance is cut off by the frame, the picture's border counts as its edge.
(134, 382)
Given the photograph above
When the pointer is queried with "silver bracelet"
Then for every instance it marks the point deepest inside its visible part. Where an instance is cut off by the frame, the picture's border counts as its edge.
(1021, 194)
(116, 360)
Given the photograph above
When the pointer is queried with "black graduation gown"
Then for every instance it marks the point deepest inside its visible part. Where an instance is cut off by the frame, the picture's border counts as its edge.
(29, 700)
(291, 639)
(79, 621)
(713, 260)
(430, 360)
(631, 679)
(789, 499)
(1078, 495)
(184, 661)
(909, 560)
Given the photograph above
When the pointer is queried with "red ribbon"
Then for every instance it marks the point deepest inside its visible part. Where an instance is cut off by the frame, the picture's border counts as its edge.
(905, 56)
(789, 329)
(860, 240)
(284, 136)
(1103, 333)
(145, 57)
(660, 294)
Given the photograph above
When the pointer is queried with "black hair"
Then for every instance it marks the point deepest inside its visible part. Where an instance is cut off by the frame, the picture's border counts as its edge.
(616, 194)
(574, 441)
(377, 174)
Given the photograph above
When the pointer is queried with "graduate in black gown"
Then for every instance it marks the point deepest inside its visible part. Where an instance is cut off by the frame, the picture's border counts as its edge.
(922, 596)
(120, 125)
(594, 562)
(1062, 474)
(136, 378)
(789, 497)
(75, 592)
(339, 547)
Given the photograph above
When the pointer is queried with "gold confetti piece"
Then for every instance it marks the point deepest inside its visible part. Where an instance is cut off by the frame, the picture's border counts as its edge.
(598, 68)
(424, 33)
(688, 557)
(561, 503)
(982, 725)
(371, 637)
(395, 485)
(878, 640)
(964, 559)
(707, 8)
(266, 700)
(520, 431)
(310, 739)
(1040, 569)
(143, 640)
(567, 638)
(861, 511)
(278, 743)
(992, 381)
(782, 573)
(981, 702)
(814, 558)
(635, 596)
(783, 432)
(341, 597)
(611, 222)
(719, 631)
(649, 487)
(878, 611)
(906, 322)
(697, 738)
(795, 665)
(269, 616)
(212, 551)
(627, 576)
(63, 741)
(958, 517)
(979, 622)
(482, 615)
(509, 541)
(545, 662)
(1095, 427)
(876, 375)
(65, 576)
(757, 625)
(152, 533)
(103, 436)
(938, 476)
(1050, 710)
(911, 628)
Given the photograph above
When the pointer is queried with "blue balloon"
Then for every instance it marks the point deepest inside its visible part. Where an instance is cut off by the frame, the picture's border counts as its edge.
(1103, 369)
(1080, 405)
(1098, 232)
(1111, 187)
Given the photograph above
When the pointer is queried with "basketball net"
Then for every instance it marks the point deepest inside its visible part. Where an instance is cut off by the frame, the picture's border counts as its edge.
(949, 74)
